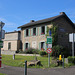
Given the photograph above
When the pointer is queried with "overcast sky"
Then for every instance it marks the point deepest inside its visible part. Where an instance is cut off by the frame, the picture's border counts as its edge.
(15, 13)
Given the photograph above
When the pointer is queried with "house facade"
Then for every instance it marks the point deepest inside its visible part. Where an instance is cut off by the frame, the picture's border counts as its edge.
(12, 41)
(33, 34)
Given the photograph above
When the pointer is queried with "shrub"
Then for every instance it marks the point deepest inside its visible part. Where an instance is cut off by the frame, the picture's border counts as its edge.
(56, 50)
(43, 53)
(71, 59)
(32, 51)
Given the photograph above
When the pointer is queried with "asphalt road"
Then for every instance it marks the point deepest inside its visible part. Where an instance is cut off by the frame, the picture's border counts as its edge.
(31, 71)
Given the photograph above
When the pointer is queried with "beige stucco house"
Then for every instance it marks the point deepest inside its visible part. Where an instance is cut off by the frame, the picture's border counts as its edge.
(33, 33)
(12, 41)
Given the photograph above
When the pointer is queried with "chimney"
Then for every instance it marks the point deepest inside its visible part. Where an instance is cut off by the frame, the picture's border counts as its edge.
(31, 20)
(61, 13)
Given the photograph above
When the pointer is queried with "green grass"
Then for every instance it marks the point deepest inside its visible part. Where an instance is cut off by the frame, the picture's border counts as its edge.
(19, 60)
(2, 74)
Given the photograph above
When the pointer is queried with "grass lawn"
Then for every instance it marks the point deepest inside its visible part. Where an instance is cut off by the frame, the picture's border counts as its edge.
(19, 60)
(2, 74)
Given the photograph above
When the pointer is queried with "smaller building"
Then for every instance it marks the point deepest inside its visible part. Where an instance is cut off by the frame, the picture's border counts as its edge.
(12, 41)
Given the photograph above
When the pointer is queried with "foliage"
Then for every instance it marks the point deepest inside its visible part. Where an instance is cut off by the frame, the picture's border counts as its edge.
(30, 51)
(65, 52)
(54, 31)
(57, 50)
(71, 59)
(43, 53)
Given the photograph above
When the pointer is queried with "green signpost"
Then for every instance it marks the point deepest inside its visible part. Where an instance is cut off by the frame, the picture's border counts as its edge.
(49, 40)
(1, 44)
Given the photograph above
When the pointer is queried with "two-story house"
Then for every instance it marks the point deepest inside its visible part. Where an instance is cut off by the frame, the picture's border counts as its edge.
(12, 41)
(33, 33)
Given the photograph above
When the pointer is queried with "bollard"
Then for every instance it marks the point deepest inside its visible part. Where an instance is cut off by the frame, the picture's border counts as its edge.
(0, 61)
(25, 72)
(14, 57)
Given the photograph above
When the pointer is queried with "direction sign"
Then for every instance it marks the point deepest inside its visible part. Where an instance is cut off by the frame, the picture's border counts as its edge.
(1, 44)
(49, 45)
(49, 50)
(49, 40)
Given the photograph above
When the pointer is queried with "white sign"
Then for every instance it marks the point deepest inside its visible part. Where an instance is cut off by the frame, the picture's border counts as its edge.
(49, 45)
(71, 37)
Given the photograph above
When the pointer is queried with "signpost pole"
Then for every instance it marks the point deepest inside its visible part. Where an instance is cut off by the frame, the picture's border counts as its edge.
(48, 59)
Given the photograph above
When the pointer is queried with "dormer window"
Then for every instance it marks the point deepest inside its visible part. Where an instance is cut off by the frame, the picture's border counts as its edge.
(42, 30)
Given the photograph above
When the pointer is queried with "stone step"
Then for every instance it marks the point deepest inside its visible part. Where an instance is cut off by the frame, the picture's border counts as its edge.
(7, 52)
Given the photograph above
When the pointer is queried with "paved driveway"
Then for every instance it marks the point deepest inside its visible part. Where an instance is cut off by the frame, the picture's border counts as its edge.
(31, 71)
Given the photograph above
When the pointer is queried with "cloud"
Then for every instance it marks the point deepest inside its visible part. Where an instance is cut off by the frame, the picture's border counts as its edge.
(9, 26)
(7, 23)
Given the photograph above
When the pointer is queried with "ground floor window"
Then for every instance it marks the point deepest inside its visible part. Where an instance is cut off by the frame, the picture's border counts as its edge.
(9, 46)
(42, 45)
(26, 46)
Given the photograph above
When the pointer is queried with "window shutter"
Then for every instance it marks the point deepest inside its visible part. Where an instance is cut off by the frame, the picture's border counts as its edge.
(45, 29)
(29, 32)
(28, 45)
(32, 32)
(36, 30)
(39, 30)
(25, 33)
(45, 46)
(39, 45)
(24, 46)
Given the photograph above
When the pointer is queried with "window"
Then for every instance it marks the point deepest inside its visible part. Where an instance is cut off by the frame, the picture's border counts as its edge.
(42, 30)
(26, 46)
(42, 45)
(9, 46)
(26, 32)
(34, 31)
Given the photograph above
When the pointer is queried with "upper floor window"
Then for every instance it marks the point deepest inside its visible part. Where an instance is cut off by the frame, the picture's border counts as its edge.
(43, 30)
(26, 32)
(34, 31)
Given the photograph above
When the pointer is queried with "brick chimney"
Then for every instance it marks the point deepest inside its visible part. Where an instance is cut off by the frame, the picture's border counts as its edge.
(61, 13)
(31, 20)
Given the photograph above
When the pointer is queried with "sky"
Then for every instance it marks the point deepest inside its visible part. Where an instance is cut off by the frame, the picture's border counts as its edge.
(15, 13)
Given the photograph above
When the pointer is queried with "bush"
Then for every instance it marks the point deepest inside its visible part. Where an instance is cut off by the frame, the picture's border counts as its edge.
(43, 53)
(56, 50)
(71, 59)
(32, 51)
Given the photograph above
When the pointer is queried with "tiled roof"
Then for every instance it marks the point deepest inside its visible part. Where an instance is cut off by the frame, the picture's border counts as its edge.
(45, 20)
